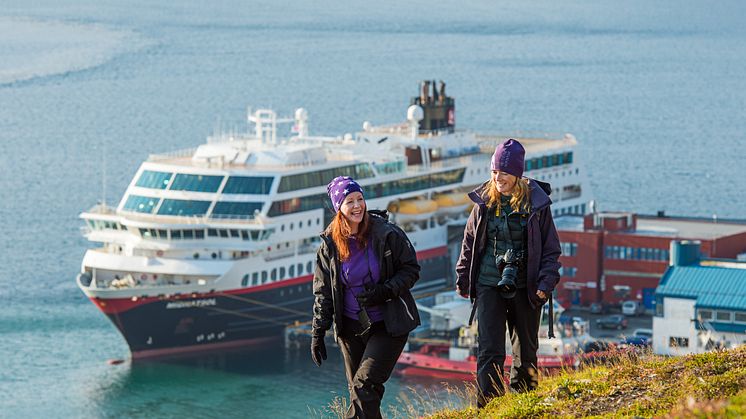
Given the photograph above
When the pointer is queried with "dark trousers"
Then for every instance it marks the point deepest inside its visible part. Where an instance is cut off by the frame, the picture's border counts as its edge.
(493, 314)
(369, 361)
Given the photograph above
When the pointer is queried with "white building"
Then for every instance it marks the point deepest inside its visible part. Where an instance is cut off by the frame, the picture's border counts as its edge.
(700, 304)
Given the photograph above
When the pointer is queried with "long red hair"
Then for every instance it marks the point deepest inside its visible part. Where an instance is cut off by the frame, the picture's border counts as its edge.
(341, 232)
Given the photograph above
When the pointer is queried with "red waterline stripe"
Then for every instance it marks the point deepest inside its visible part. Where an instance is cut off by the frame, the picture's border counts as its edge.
(155, 353)
(119, 305)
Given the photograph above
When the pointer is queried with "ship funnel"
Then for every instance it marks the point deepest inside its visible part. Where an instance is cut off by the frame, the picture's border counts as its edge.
(438, 109)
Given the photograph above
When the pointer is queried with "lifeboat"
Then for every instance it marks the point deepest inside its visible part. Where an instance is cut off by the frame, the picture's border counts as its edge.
(452, 203)
(413, 209)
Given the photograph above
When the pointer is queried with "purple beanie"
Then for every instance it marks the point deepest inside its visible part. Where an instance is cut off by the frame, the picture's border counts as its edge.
(508, 158)
(339, 188)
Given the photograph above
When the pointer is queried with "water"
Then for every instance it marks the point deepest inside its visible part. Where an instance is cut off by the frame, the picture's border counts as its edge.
(654, 93)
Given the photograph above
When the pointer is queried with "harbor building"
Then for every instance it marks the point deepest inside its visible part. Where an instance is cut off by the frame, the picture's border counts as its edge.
(611, 257)
(700, 303)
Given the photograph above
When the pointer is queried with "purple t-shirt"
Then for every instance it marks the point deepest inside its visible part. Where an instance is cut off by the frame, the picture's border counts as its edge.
(360, 269)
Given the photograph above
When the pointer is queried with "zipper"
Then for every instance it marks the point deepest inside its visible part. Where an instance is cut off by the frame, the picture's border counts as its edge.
(406, 308)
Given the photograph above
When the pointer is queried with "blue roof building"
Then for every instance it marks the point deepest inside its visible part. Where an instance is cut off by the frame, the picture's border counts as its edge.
(700, 304)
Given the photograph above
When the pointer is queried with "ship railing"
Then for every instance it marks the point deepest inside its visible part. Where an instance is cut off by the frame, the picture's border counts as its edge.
(187, 152)
(194, 219)
(106, 279)
(102, 209)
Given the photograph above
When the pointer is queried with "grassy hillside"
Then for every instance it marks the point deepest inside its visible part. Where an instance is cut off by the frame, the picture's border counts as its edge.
(711, 385)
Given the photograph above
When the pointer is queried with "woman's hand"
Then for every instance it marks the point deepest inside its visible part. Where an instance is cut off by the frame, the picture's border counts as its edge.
(541, 294)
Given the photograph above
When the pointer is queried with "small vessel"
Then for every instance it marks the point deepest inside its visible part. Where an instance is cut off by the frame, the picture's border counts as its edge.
(214, 246)
(439, 353)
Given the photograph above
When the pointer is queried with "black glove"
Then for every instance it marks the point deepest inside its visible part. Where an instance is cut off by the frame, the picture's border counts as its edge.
(374, 296)
(318, 349)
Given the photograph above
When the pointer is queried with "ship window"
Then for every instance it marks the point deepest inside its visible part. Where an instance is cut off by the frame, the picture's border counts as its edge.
(223, 233)
(211, 232)
(144, 232)
(264, 277)
(188, 234)
(153, 180)
(235, 233)
(243, 210)
(199, 234)
(309, 267)
(163, 234)
(183, 207)
(244, 234)
(323, 177)
(248, 185)
(291, 270)
(282, 272)
(300, 268)
(568, 157)
(153, 234)
(140, 204)
(245, 280)
(255, 234)
(560, 160)
(273, 274)
(196, 183)
(255, 278)
(312, 202)
(176, 234)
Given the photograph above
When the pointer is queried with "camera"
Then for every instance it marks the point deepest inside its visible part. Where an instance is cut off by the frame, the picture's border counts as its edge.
(509, 262)
(362, 315)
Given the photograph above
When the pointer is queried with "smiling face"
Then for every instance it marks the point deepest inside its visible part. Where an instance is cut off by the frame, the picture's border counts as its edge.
(353, 208)
(504, 181)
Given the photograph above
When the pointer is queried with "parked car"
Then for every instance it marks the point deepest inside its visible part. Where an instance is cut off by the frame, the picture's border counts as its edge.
(615, 321)
(639, 341)
(648, 333)
(600, 308)
(632, 308)
(597, 346)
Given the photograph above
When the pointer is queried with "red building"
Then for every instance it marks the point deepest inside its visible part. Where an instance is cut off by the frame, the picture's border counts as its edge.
(612, 257)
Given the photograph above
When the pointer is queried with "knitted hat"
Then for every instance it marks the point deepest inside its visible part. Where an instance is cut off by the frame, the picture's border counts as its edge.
(339, 188)
(508, 158)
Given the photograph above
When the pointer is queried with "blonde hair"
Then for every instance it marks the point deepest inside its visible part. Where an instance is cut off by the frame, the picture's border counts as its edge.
(341, 232)
(519, 201)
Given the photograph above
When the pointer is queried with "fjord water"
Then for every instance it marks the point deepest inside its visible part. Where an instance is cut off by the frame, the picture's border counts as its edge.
(654, 92)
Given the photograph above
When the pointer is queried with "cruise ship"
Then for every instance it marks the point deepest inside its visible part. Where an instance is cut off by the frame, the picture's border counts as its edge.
(214, 247)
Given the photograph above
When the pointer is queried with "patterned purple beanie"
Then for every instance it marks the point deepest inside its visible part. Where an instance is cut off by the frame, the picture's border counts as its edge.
(508, 158)
(339, 188)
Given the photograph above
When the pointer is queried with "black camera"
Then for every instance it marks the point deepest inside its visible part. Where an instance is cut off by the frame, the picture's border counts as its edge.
(362, 315)
(509, 262)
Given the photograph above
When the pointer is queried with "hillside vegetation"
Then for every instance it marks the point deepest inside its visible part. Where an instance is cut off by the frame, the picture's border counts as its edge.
(710, 385)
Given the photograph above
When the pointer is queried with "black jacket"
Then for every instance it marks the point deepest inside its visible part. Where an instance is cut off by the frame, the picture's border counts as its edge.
(399, 272)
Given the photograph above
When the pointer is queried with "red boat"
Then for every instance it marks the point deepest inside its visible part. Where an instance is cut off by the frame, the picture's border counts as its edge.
(432, 360)
(448, 353)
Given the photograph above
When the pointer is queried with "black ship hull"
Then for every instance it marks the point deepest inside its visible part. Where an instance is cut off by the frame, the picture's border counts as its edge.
(166, 326)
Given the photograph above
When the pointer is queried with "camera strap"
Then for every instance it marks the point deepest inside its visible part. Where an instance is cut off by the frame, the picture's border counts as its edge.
(510, 234)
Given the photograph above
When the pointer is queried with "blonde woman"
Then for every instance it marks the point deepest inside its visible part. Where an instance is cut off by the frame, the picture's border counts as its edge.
(509, 267)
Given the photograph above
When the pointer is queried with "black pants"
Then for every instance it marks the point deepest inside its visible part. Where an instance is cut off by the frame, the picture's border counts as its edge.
(369, 361)
(493, 312)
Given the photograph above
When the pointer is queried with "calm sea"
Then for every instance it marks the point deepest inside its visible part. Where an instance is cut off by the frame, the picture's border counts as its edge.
(654, 92)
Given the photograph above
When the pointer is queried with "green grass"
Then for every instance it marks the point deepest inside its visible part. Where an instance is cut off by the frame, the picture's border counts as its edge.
(710, 385)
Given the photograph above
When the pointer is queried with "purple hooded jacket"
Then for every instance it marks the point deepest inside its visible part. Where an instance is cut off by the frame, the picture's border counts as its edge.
(542, 267)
